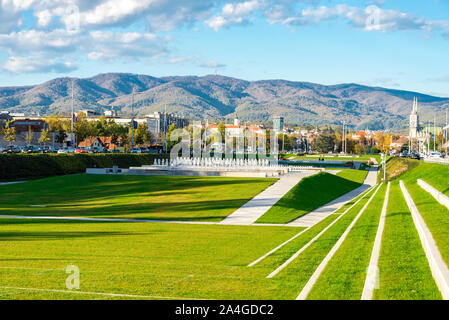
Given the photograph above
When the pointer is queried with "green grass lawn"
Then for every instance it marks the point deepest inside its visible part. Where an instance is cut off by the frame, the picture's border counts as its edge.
(303, 267)
(149, 197)
(155, 259)
(437, 175)
(404, 270)
(434, 214)
(311, 193)
(344, 276)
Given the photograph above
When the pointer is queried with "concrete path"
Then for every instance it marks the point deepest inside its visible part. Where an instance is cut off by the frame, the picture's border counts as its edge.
(372, 275)
(257, 206)
(323, 212)
(439, 269)
(8, 183)
(313, 279)
(439, 196)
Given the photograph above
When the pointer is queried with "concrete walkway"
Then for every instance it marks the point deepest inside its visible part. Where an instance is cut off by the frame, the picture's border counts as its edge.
(257, 206)
(323, 212)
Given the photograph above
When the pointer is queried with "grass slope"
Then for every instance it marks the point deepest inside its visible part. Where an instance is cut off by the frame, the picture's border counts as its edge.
(344, 276)
(434, 214)
(311, 193)
(150, 197)
(404, 270)
(302, 268)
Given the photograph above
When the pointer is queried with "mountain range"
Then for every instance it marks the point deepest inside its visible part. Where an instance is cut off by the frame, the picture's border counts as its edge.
(219, 97)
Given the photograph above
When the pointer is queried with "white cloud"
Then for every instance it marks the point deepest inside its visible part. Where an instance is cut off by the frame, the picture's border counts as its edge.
(33, 64)
(372, 18)
(110, 46)
(234, 14)
(212, 65)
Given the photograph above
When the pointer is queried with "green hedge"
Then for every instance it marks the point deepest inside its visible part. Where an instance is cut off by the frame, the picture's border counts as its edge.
(28, 166)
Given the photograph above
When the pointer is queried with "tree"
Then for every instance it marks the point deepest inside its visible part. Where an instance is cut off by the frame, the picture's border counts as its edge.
(9, 133)
(29, 136)
(45, 137)
(170, 143)
(325, 143)
(61, 136)
(83, 129)
(222, 130)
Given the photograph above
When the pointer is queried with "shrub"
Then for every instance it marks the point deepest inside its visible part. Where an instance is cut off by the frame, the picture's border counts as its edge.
(28, 166)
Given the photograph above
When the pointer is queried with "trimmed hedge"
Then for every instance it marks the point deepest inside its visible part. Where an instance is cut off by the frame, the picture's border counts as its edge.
(28, 166)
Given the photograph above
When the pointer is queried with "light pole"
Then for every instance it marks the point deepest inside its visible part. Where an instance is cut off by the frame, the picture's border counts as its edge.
(132, 121)
(71, 135)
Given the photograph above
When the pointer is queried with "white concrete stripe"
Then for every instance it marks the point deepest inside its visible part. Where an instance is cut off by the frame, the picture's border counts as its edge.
(136, 220)
(13, 182)
(297, 253)
(309, 285)
(277, 248)
(372, 273)
(439, 269)
(99, 293)
(251, 211)
(439, 196)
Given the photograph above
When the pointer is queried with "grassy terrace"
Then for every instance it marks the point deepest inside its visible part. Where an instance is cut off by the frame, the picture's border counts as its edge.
(302, 268)
(311, 193)
(149, 197)
(344, 276)
(154, 259)
(403, 266)
(434, 214)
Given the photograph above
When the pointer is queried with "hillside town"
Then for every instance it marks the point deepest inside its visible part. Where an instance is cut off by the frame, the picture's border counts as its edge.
(94, 132)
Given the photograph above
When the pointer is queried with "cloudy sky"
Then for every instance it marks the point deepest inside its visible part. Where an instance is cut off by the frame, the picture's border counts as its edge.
(402, 44)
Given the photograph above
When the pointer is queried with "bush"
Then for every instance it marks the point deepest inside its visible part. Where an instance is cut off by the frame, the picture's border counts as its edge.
(28, 166)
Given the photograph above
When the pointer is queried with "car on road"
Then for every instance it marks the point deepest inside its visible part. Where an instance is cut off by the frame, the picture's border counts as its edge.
(116, 151)
(136, 150)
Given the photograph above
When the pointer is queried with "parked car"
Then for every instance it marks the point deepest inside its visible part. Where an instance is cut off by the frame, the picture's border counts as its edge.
(116, 151)
(66, 150)
(144, 150)
(414, 155)
(136, 150)
(95, 150)
(435, 155)
(31, 149)
(48, 149)
(12, 149)
(80, 150)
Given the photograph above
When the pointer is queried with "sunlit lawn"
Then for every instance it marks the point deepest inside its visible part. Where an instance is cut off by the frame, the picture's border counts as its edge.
(149, 197)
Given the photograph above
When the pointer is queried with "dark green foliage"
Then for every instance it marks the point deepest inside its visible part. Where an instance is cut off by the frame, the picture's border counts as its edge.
(28, 166)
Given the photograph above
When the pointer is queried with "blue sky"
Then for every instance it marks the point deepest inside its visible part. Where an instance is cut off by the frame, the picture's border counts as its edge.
(390, 43)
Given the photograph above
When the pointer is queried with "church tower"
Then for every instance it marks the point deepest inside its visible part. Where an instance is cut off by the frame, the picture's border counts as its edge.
(414, 120)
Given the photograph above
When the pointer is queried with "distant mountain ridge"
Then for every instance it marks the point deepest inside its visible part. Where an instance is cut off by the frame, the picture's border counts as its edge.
(218, 97)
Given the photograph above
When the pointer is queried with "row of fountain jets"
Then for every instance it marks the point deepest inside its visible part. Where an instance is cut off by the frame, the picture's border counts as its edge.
(214, 162)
